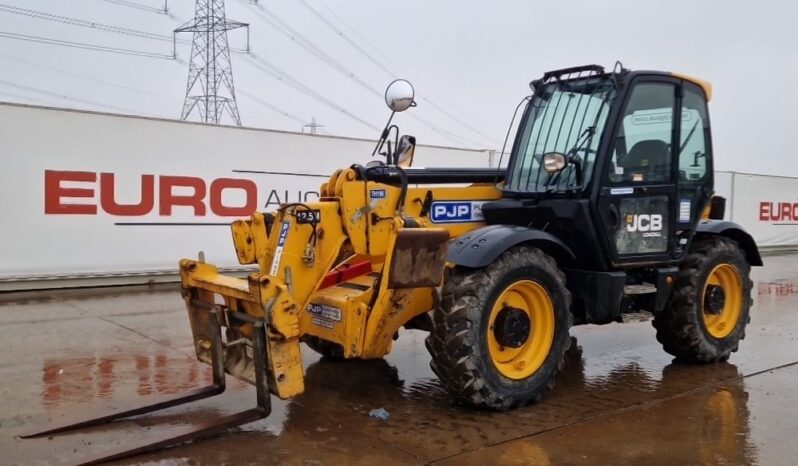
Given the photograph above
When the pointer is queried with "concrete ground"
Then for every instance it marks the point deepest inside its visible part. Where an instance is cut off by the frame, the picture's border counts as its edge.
(621, 399)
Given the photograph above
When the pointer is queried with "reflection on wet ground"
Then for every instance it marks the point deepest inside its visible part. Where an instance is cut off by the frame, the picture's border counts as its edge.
(620, 400)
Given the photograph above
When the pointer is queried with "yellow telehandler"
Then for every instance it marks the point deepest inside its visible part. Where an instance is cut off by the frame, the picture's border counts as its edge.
(605, 207)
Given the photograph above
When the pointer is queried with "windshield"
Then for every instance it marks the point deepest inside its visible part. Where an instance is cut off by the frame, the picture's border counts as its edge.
(566, 117)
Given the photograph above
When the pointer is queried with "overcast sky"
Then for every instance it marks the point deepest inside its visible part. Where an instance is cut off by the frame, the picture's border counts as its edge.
(470, 61)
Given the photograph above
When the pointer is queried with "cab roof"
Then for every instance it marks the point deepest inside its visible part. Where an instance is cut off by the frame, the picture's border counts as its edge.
(703, 84)
(583, 71)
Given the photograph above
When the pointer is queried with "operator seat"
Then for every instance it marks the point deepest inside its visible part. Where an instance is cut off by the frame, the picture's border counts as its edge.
(648, 160)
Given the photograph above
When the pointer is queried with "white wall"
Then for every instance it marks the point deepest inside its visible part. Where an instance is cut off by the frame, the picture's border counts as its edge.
(723, 187)
(38, 241)
(767, 206)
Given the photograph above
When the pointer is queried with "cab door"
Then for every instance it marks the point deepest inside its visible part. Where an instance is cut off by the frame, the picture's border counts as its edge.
(694, 175)
(637, 197)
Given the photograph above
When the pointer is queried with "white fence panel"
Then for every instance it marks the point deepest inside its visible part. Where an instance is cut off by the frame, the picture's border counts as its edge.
(94, 194)
(87, 195)
(723, 187)
(767, 207)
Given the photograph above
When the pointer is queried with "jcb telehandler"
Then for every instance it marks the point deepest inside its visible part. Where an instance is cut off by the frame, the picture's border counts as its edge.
(605, 207)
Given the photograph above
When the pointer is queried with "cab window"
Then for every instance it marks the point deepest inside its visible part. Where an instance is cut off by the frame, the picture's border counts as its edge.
(694, 135)
(643, 147)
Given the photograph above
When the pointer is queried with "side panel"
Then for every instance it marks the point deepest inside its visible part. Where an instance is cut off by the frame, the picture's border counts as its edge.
(644, 225)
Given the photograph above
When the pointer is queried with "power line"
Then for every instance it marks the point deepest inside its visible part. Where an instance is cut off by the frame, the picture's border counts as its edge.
(363, 39)
(270, 106)
(141, 91)
(66, 97)
(85, 46)
(377, 63)
(88, 78)
(277, 73)
(85, 24)
(97, 26)
(285, 29)
(458, 120)
(270, 69)
(139, 6)
(346, 38)
(444, 132)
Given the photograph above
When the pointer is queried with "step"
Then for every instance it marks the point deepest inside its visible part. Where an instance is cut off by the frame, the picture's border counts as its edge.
(638, 316)
(643, 288)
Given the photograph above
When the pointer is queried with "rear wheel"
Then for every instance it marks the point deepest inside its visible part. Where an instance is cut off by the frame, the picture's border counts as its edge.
(500, 332)
(710, 304)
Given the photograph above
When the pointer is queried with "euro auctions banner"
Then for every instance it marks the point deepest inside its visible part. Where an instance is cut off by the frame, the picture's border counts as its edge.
(94, 194)
(767, 207)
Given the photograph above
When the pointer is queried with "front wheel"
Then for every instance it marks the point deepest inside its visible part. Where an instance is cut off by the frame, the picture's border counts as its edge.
(500, 332)
(709, 307)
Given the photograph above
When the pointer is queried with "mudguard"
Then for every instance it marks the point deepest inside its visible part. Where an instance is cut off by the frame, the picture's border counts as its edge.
(480, 247)
(733, 231)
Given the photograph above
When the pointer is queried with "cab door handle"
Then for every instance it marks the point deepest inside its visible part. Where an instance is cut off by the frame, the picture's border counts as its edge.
(614, 216)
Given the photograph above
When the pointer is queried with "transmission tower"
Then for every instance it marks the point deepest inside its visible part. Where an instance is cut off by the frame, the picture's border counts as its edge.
(313, 127)
(210, 89)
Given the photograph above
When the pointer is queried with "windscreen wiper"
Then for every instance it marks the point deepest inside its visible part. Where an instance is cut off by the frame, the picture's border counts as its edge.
(689, 135)
(571, 154)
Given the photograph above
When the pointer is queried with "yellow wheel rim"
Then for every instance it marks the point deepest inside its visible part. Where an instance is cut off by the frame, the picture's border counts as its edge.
(531, 298)
(721, 324)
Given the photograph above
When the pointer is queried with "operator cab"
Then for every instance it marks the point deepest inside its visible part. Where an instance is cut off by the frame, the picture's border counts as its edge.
(619, 162)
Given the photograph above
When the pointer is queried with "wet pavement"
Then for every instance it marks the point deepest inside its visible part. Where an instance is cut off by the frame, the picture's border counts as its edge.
(621, 399)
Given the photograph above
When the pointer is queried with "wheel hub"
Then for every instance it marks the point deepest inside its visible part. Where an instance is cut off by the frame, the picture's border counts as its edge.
(512, 327)
(714, 299)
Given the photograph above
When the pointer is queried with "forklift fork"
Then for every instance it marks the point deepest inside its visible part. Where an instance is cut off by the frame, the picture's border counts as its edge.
(205, 429)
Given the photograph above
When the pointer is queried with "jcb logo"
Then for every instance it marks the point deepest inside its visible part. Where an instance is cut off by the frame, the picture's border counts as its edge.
(643, 222)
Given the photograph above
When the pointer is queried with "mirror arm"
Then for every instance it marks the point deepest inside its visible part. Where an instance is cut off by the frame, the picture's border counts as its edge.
(390, 157)
(389, 154)
(383, 136)
(697, 155)
(578, 167)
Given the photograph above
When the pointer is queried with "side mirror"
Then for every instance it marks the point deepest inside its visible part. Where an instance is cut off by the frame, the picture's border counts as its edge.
(399, 95)
(404, 151)
(554, 162)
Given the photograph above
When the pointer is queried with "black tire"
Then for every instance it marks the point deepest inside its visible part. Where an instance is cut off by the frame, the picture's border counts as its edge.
(681, 328)
(325, 348)
(458, 342)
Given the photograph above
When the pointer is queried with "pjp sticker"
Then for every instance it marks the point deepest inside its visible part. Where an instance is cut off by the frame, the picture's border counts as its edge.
(456, 211)
(278, 252)
(323, 315)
